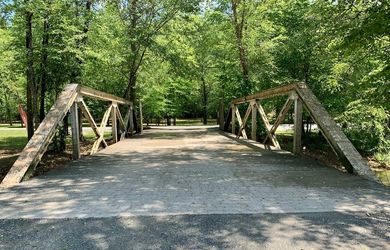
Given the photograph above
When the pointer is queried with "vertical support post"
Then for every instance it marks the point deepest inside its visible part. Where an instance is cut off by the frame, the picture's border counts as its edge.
(131, 120)
(141, 118)
(297, 149)
(221, 115)
(75, 131)
(114, 125)
(254, 120)
(234, 119)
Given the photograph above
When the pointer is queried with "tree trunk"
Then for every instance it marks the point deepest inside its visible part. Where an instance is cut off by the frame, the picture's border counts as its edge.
(205, 100)
(136, 58)
(8, 109)
(30, 75)
(238, 28)
(45, 44)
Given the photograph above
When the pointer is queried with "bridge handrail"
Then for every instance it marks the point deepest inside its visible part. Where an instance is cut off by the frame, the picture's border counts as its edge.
(301, 96)
(71, 98)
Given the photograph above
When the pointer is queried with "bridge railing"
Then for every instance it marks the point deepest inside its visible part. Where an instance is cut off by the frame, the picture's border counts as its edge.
(301, 96)
(72, 99)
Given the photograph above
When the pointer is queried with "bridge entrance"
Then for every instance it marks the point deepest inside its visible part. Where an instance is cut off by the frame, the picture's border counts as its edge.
(189, 170)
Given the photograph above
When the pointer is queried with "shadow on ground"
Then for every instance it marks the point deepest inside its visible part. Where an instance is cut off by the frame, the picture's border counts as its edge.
(272, 231)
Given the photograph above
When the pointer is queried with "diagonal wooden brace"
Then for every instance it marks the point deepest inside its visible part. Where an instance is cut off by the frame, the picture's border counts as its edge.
(91, 121)
(279, 119)
(96, 144)
(243, 122)
(267, 125)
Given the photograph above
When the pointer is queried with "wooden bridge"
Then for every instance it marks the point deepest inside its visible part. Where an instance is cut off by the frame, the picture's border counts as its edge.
(72, 99)
(187, 170)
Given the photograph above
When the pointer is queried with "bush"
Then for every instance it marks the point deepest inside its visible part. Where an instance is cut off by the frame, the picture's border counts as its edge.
(366, 126)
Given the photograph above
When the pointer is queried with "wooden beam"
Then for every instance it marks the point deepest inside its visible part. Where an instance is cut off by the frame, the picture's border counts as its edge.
(234, 109)
(283, 90)
(74, 114)
(86, 91)
(114, 125)
(91, 121)
(241, 123)
(121, 124)
(141, 118)
(347, 153)
(131, 120)
(267, 125)
(279, 119)
(254, 121)
(25, 165)
(96, 144)
(297, 145)
(221, 115)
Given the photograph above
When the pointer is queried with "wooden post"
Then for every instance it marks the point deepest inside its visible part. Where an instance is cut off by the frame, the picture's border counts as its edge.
(234, 119)
(114, 126)
(131, 120)
(254, 121)
(221, 115)
(297, 149)
(75, 131)
(141, 118)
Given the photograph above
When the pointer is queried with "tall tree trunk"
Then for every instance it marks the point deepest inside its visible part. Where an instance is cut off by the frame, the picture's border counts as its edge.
(134, 63)
(204, 99)
(8, 108)
(238, 23)
(45, 44)
(31, 88)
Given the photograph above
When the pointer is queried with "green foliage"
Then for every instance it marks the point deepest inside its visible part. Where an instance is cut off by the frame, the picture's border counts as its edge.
(183, 56)
(366, 126)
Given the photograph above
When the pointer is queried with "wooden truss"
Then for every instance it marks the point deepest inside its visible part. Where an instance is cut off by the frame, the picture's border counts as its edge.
(72, 99)
(301, 96)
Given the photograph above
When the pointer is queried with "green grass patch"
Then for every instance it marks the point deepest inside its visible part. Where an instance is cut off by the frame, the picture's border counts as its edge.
(13, 139)
(194, 122)
(16, 139)
(383, 158)
(15, 125)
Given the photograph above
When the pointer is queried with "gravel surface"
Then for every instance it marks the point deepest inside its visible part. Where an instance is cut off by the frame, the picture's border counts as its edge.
(329, 230)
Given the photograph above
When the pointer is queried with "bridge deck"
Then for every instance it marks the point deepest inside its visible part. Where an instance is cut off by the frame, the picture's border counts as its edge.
(189, 171)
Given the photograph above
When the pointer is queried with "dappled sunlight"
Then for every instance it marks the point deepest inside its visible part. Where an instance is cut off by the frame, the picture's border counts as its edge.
(222, 176)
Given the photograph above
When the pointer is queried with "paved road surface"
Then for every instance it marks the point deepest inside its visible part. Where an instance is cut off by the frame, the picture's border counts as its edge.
(194, 188)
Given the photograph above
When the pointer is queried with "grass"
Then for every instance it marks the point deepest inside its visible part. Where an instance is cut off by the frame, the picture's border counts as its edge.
(194, 122)
(14, 125)
(13, 139)
(383, 158)
(17, 139)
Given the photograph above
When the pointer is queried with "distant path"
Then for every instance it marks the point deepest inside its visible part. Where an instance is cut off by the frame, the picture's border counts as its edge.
(201, 182)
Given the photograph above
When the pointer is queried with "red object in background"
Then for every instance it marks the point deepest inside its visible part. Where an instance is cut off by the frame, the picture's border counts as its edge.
(23, 115)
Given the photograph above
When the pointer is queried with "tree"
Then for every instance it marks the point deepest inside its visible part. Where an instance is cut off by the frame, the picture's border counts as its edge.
(143, 21)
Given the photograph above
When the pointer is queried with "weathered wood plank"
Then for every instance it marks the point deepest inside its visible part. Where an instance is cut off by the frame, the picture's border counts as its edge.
(131, 120)
(234, 110)
(86, 91)
(337, 139)
(283, 90)
(254, 121)
(267, 126)
(297, 144)
(74, 114)
(35, 148)
(114, 125)
(221, 118)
